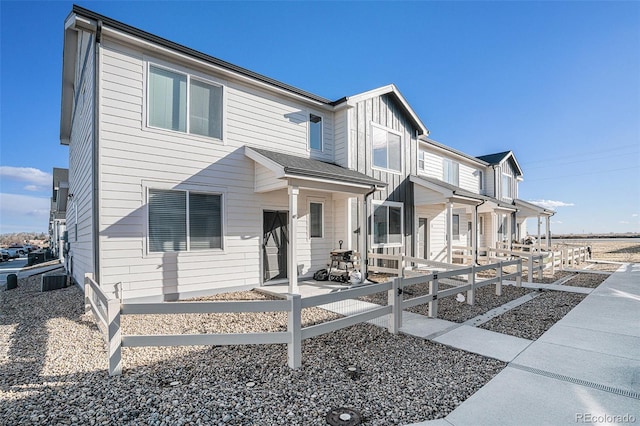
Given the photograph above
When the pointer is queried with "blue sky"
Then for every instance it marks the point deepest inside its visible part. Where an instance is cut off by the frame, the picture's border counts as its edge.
(556, 82)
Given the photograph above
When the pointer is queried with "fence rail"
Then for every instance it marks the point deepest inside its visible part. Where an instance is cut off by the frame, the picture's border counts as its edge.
(107, 312)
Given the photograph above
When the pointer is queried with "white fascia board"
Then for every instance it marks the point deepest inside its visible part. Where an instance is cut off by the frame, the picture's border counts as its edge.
(512, 155)
(447, 193)
(442, 149)
(118, 35)
(390, 88)
(276, 168)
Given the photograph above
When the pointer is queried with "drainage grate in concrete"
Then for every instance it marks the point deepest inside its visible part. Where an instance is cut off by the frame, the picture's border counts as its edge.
(593, 385)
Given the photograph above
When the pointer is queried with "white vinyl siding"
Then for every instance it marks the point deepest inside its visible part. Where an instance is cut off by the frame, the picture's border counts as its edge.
(135, 157)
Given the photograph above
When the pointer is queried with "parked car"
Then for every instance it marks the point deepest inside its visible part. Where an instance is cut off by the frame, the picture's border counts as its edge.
(4, 255)
(16, 251)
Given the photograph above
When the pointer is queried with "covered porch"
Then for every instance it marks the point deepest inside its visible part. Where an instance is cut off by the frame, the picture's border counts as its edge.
(304, 213)
(527, 210)
(454, 225)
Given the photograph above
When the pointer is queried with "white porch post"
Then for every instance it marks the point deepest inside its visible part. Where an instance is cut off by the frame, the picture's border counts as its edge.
(292, 251)
(539, 242)
(362, 236)
(474, 234)
(449, 232)
(509, 230)
(548, 231)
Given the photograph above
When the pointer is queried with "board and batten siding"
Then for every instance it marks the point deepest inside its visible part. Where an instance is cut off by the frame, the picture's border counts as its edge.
(135, 158)
(80, 206)
(386, 112)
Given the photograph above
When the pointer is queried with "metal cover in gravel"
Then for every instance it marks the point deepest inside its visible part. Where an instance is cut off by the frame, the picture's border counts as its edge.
(343, 417)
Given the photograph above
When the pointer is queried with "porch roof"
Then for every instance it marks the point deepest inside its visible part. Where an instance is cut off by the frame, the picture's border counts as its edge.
(291, 166)
(528, 209)
(456, 193)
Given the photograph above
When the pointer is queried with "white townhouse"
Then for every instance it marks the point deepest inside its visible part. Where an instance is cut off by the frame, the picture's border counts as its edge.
(189, 175)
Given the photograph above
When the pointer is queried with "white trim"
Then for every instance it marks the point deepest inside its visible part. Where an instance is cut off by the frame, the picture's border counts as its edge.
(377, 203)
(388, 130)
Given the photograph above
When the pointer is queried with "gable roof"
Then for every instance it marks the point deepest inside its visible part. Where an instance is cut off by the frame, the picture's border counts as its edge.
(392, 90)
(501, 157)
(307, 167)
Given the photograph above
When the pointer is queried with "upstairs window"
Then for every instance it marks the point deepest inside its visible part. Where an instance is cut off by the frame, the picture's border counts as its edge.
(387, 223)
(182, 103)
(315, 132)
(386, 148)
(506, 186)
(182, 221)
(481, 181)
(422, 160)
(450, 171)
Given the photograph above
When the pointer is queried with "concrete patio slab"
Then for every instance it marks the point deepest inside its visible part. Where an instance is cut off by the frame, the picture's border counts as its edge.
(425, 327)
(593, 340)
(484, 342)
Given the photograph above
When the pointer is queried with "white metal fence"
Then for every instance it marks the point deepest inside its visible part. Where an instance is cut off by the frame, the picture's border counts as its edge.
(107, 312)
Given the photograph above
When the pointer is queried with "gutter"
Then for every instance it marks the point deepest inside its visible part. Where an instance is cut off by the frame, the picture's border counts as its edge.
(96, 155)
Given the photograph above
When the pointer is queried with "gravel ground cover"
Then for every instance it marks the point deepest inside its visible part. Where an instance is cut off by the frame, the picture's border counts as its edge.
(53, 370)
(530, 320)
(586, 280)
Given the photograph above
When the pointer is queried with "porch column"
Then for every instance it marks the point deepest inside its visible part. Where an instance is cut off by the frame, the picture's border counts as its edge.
(474, 234)
(509, 230)
(449, 232)
(362, 236)
(292, 252)
(548, 230)
(539, 242)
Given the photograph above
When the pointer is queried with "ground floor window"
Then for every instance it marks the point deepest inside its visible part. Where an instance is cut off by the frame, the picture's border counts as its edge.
(184, 221)
(387, 223)
(316, 220)
(456, 226)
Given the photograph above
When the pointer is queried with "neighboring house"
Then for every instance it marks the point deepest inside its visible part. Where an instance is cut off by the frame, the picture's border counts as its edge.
(58, 211)
(189, 175)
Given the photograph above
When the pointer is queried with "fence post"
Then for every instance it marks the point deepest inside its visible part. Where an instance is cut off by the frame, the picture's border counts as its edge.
(553, 263)
(87, 292)
(471, 294)
(401, 265)
(499, 283)
(395, 300)
(519, 275)
(294, 326)
(433, 290)
(540, 266)
(114, 337)
(530, 267)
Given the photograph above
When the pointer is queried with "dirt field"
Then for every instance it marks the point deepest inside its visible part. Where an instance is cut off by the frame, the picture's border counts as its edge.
(616, 251)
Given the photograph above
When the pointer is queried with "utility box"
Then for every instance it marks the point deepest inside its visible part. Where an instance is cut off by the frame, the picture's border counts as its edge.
(53, 282)
(12, 281)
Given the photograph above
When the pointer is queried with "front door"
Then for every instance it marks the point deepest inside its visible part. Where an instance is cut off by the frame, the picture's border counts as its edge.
(423, 238)
(274, 245)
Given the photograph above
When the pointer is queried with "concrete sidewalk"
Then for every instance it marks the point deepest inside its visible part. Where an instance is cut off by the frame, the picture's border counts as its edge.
(585, 369)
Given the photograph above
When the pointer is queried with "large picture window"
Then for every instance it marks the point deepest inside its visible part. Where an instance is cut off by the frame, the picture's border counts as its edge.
(183, 221)
(387, 148)
(197, 110)
(387, 223)
(450, 171)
